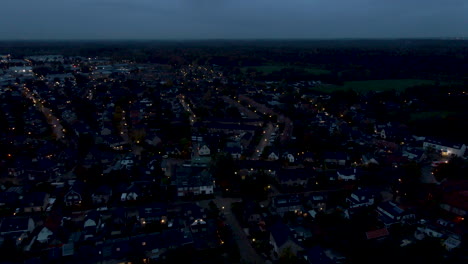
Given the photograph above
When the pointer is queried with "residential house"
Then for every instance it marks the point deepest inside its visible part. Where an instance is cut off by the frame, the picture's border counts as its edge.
(280, 239)
(316, 255)
(191, 180)
(235, 149)
(117, 223)
(204, 234)
(203, 150)
(44, 235)
(414, 154)
(378, 233)
(127, 162)
(252, 214)
(308, 157)
(335, 158)
(46, 58)
(349, 174)
(41, 170)
(75, 194)
(226, 128)
(91, 224)
(35, 202)
(294, 177)
(392, 131)
(362, 197)
(359, 200)
(251, 167)
(153, 213)
(455, 198)
(21, 71)
(9, 199)
(246, 139)
(288, 157)
(452, 242)
(287, 203)
(318, 201)
(429, 231)
(130, 194)
(72, 197)
(187, 212)
(456, 202)
(102, 195)
(137, 190)
(390, 213)
(16, 226)
(274, 155)
(445, 147)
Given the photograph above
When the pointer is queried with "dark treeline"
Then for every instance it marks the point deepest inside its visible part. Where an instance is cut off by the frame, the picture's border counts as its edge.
(346, 60)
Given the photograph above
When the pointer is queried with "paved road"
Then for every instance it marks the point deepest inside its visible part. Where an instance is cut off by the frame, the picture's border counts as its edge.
(187, 108)
(263, 141)
(288, 124)
(426, 175)
(52, 120)
(248, 254)
(248, 113)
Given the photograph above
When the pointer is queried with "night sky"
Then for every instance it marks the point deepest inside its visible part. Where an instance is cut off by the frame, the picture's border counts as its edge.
(231, 19)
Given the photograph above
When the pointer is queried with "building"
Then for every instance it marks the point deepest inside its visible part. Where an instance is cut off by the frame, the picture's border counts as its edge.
(191, 180)
(446, 148)
(287, 203)
(391, 213)
(361, 198)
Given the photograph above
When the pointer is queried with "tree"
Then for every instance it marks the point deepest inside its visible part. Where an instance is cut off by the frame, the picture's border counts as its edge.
(214, 210)
(81, 80)
(287, 256)
(224, 170)
(256, 186)
(455, 169)
(42, 70)
(409, 183)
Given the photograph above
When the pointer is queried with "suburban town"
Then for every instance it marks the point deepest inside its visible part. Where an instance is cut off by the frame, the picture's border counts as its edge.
(121, 160)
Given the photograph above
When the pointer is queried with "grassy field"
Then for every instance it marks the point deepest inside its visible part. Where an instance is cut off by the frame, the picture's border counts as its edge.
(267, 69)
(377, 85)
(317, 71)
(434, 115)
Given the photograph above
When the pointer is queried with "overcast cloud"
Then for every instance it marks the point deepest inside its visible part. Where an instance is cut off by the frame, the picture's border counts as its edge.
(231, 19)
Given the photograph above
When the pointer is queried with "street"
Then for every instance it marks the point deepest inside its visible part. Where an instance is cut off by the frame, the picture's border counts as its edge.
(426, 175)
(248, 254)
(263, 141)
(242, 109)
(52, 120)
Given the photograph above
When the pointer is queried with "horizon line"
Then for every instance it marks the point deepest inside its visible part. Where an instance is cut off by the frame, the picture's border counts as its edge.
(231, 39)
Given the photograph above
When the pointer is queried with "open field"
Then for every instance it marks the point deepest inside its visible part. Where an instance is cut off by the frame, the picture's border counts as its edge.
(376, 85)
(433, 115)
(267, 69)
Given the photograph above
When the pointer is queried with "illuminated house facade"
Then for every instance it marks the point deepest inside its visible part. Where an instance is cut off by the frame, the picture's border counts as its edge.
(446, 148)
